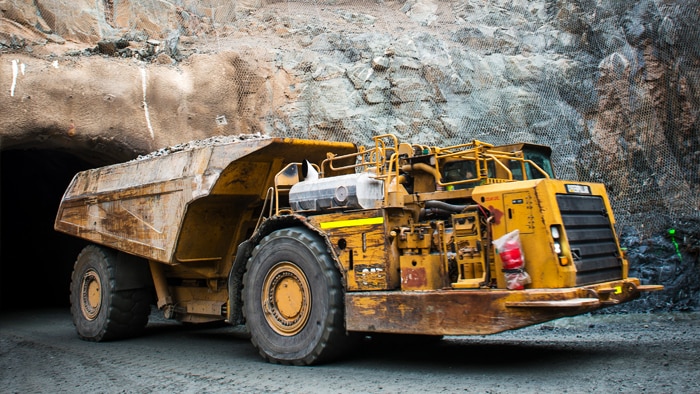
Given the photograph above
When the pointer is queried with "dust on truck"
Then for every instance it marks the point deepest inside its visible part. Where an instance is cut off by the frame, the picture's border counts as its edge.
(313, 243)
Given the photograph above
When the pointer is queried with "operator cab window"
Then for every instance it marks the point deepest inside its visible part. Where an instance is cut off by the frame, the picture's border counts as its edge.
(542, 160)
(516, 168)
(455, 171)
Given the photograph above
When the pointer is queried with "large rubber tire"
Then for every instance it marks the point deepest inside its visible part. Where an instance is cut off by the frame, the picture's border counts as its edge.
(100, 313)
(293, 299)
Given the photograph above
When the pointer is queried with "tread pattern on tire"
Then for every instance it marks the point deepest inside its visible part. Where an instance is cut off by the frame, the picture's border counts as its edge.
(126, 311)
(332, 342)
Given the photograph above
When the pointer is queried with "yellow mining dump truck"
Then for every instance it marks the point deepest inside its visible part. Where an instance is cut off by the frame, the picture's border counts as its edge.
(309, 242)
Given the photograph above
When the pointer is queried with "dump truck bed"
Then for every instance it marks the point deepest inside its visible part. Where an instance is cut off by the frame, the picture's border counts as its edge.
(148, 207)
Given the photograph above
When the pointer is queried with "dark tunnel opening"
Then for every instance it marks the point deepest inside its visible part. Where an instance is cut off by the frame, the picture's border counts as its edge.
(35, 260)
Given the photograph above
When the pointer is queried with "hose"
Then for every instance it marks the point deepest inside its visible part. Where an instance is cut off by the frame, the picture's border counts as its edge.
(445, 206)
(433, 211)
(435, 207)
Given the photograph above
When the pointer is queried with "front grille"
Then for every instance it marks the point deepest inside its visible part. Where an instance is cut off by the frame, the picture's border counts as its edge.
(591, 238)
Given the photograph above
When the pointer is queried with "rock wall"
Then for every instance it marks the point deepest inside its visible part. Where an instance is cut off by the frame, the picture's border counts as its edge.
(614, 87)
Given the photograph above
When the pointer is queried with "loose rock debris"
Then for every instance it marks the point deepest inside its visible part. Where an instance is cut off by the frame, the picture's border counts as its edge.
(211, 141)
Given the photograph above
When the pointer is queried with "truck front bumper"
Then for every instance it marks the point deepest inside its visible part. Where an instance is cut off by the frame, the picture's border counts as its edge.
(479, 311)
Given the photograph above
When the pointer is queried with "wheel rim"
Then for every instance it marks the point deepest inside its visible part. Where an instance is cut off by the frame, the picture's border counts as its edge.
(286, 299)
(90, 294)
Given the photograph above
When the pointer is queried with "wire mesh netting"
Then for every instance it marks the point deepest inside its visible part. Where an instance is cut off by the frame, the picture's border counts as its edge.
(613, 88)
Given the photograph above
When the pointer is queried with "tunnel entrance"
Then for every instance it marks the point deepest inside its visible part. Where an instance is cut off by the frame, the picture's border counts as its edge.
(36, 261)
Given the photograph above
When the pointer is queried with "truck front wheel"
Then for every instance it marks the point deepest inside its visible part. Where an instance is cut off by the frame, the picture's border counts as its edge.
(293, 299)
(100, 312)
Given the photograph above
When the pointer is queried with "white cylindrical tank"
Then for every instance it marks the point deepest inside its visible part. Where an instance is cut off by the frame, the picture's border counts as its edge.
(352, 191)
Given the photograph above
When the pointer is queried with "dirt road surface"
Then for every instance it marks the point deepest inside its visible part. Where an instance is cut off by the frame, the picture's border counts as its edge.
(658, 353)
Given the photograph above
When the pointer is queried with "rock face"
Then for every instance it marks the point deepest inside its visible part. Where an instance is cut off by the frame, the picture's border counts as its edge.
(613, 87)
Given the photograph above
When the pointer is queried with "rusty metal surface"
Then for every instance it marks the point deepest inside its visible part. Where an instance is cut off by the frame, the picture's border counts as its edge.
(139, 206)
(361, 248)
(475, 312)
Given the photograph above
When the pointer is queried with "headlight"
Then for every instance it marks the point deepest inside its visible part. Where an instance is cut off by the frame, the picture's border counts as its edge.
(557, 248)
(555, 232)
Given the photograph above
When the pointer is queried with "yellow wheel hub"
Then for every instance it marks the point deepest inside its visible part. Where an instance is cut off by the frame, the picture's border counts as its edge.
(286, 299)
(90, 294)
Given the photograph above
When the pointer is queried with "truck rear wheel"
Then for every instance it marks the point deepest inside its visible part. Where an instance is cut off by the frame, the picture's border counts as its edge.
(100, 312)
(293, 299)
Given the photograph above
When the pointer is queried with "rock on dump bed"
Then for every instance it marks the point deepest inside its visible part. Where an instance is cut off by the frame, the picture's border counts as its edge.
(211, 141)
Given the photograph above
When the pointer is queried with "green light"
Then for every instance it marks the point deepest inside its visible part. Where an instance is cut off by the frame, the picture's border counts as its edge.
(672, 232)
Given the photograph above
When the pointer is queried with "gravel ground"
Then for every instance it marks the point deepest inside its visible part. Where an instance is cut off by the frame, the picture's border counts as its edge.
(656, 353)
